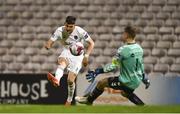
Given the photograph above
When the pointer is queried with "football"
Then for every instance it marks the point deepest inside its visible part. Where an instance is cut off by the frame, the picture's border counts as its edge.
(76, 49)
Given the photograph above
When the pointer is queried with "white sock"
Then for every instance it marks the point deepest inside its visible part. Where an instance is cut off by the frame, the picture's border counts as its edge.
(59, 72)
(71, 89)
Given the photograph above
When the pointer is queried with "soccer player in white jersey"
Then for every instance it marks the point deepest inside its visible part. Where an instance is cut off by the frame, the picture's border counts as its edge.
(66, 35)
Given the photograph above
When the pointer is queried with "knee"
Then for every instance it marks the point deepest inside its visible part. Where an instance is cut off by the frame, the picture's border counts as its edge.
(70, 82)
(101, 84)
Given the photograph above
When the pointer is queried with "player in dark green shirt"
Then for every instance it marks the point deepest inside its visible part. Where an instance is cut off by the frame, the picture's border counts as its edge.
(129, 59)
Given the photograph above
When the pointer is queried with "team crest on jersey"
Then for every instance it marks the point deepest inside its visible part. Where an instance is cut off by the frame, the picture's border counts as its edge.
(75, 37)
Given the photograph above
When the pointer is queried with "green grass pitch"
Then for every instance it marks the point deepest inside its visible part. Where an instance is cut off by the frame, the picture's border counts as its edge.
(88, 109)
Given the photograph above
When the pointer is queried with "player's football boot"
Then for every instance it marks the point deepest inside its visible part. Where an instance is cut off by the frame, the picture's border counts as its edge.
(52, 79)
(68, 103)
(82, 100)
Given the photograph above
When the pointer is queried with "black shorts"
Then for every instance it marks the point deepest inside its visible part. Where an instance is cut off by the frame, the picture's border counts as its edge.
(114, 83)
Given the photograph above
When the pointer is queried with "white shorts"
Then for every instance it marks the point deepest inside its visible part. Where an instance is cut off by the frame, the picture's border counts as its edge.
(75, 62)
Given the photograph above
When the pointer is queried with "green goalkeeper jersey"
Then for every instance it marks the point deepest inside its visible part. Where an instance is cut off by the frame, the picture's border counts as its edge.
(129, 59)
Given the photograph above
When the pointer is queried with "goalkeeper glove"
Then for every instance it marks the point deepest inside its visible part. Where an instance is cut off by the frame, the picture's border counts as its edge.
(91, 75)
(146, 81)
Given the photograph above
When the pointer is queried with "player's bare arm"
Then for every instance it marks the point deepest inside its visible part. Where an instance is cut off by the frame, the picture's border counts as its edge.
(89, 50)
(49, 44)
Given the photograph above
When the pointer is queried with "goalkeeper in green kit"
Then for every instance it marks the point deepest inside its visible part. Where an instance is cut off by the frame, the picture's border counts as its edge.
(129, 59)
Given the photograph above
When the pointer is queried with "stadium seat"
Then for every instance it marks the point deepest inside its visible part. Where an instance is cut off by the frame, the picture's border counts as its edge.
(175, 68)
(169, 37)
(105, 37)
(22, 58)
(102, 60)
(31, 51)
(150, 30)
(117, 30)
(109, 8)
(164, 44)
(176, 44)
(159, 2)
(163, 68)
(177, 30)
(52, 59)
(110, 52)
(38, 59)
(156, 23)
(101, 15)
(6, 44)
(163, 15)
(15, 67)
(94, 22)
(14, 30)
(103, 30)
(167, 60)
(144, 2)
(27, 15)
(96, 52)
(154, 8)
(147, 52)
(7, 58)
(87, 15)
(159, 52)
(43, 29)
(175, 15)
(147, 15)
(115, 44)
(166, 30)
(15, 51)
(177, 60)
(128, 2)
(148, 68)
(132, 15)
(3, 51)
(32, 67)
(125, 22)
(94, 8)
(148, 44)
(153, 37)
(155, 74)
(122, 9)
(171, 74)
(47, 67)
(13, 36)
(81, 22)
(100, 44)
(169, 8)
(110, 22)
(174, 52)
(173, 2)
(150, 60)
(141, 22)
(138, 8)
(55, 2)
(172, 22)
(99, 2)
(140, 37)
(3, 66)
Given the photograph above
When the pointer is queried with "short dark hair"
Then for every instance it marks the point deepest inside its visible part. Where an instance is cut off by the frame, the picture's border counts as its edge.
(70, 20)
(131, 31)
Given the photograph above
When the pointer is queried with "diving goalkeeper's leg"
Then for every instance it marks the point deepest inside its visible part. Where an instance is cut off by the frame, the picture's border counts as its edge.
(92, 96)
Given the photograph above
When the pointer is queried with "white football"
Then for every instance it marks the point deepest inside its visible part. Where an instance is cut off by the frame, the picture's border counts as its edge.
(76, 49)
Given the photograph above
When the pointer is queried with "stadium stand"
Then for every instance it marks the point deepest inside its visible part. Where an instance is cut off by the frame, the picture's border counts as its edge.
(25, 25)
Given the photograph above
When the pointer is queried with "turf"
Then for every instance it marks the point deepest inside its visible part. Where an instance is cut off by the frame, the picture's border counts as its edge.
(87, 109)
